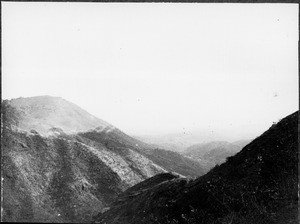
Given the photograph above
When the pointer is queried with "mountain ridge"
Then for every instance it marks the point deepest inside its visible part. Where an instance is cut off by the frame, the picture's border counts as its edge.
(257, 185)
(42, 113)
(213, 153)
(53, 173)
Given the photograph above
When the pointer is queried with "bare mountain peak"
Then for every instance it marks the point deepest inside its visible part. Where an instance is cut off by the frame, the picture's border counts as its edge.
(43, 113)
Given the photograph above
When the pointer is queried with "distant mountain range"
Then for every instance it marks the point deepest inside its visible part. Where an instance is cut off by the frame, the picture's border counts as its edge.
(257, 185)
(179, 142)
(213, 153)
(172, 142)
(207, 154)
(62, 164)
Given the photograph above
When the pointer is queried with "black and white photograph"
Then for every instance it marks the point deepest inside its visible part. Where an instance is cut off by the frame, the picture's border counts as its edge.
(149, 113)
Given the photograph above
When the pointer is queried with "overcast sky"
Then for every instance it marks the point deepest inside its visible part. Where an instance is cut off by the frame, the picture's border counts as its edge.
(156, 68)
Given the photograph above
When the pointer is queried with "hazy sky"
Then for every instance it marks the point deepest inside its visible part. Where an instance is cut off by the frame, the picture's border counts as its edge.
(155, 68)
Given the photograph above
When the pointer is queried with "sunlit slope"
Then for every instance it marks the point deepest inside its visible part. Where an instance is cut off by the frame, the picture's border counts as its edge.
(42, 113)
(67, 176)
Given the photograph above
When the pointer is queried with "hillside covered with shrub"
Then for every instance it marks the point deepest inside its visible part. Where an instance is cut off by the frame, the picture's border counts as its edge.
(57, 166)
(257, 185)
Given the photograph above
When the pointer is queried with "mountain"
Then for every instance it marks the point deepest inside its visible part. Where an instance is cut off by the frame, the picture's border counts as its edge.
(61, 164)
(177, 142)
(257, 185)
(242, 143)
(170, 142)
(213, 153)
(161, 142)
(43, 113)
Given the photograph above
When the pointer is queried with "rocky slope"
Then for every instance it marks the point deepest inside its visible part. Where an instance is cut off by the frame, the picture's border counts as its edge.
(257, 185)
(67, 168)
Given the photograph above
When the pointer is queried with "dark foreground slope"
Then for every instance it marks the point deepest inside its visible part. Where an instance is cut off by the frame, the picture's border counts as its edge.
(257, 185)
(56, 175)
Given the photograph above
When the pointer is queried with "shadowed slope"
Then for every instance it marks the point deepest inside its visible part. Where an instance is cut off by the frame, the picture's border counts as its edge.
(257, 185)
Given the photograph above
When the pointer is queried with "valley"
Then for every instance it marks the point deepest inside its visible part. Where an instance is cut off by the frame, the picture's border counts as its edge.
(77, 168)
(257, 185)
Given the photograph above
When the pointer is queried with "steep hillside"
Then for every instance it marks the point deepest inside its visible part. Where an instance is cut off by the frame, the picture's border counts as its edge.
(66, 176)
(257, 185)
(65, 179)
(170, 161)
(175, 162)
(213, 153)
